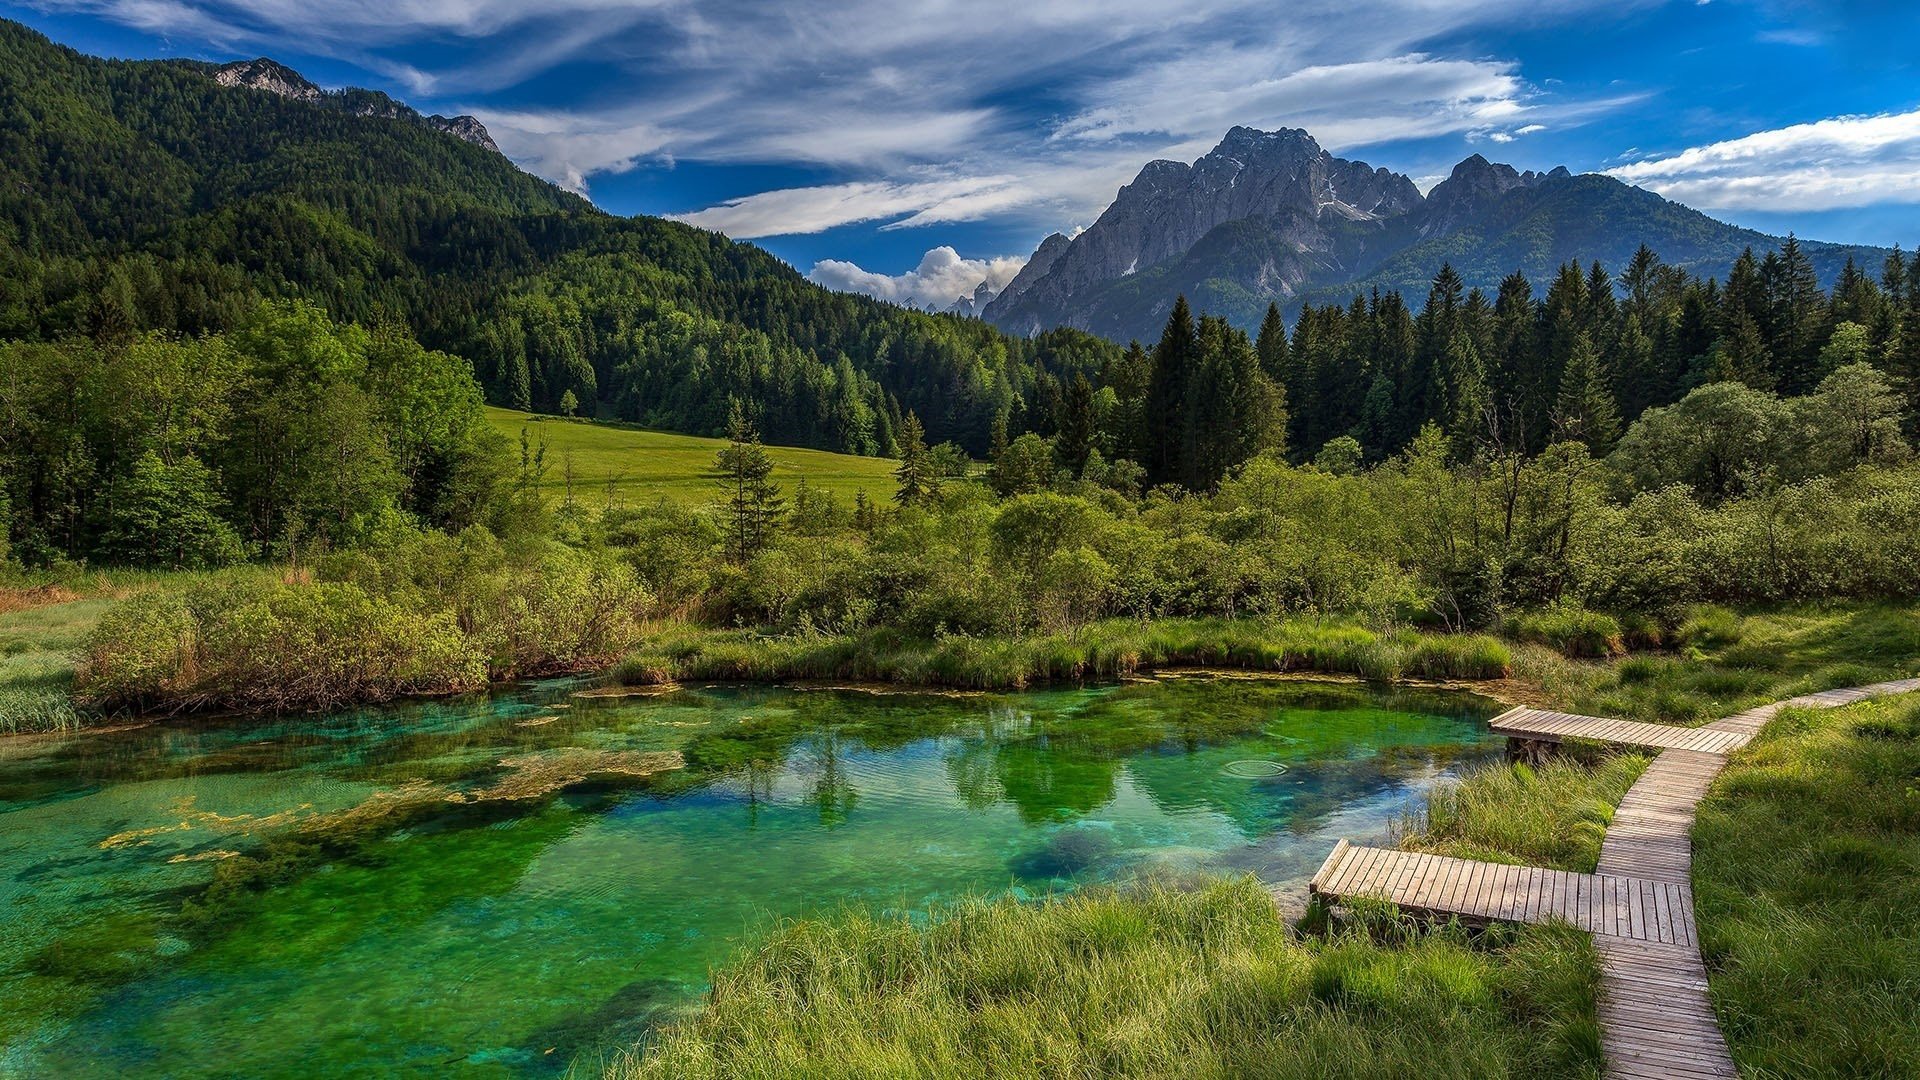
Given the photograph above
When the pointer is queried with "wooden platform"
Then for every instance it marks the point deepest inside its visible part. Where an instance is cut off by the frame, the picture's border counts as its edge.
(1544, 726)
(1656, 1019)
(1631, 908)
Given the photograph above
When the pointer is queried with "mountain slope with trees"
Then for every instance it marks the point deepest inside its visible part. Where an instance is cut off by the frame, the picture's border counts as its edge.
(147, 195)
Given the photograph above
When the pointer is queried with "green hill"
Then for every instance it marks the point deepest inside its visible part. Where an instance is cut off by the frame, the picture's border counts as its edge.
(635, 465)
(146, 195)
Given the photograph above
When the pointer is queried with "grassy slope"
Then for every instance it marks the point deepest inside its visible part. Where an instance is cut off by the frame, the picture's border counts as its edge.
(647, 465)
(1807, 873)
(1162, 982)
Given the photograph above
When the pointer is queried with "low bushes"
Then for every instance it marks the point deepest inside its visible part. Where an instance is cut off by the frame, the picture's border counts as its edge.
(1572, 630)
(427, 614)
(1157, 982)
(1104, 650)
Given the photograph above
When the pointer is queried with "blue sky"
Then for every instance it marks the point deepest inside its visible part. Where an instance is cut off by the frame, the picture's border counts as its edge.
(913, 149)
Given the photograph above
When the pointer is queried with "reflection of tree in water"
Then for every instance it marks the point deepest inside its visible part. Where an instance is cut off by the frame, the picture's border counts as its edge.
(832, 791)
(1048, 769)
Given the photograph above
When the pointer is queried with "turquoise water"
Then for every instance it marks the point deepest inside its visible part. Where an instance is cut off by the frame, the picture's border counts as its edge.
(503, 886)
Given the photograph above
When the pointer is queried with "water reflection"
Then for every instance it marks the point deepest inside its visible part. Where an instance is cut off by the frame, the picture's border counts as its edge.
(490, 886)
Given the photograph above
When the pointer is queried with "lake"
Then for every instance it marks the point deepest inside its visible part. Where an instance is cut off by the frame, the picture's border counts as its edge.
(503, 885)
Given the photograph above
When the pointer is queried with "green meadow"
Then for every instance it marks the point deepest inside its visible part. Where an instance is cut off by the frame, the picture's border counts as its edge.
(632, 465)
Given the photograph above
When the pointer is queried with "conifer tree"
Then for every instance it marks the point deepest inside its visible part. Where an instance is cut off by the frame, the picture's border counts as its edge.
(1175, 359)
(1272, 345)
(1076, 427)
(754, 504)
(917, 480)
(1584, 410)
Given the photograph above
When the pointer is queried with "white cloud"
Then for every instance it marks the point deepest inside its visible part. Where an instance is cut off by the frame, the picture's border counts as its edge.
(793, 211)
(1844, 161)
(942, 277)
(915, 113)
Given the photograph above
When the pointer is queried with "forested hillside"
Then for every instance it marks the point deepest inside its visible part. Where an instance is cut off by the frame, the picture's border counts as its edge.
(144, 195)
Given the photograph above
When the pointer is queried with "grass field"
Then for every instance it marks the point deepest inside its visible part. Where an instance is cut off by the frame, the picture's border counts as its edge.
(1807, 874)
(645, 465)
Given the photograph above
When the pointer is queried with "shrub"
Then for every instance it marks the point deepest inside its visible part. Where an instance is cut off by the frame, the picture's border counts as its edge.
(1571, 629)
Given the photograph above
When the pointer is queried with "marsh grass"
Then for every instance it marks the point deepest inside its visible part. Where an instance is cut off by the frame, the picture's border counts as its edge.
(1807, 881)
(37, 646)
(1157, 981)
(1723, 662)
(1103, 650)
(1554, 814)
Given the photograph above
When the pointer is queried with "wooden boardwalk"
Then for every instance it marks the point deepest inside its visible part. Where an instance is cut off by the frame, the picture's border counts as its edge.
(1660, 912)
(1656, 1019)
(1544, 726)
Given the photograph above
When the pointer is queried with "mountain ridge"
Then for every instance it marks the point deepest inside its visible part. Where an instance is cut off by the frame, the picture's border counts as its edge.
(1272, 217)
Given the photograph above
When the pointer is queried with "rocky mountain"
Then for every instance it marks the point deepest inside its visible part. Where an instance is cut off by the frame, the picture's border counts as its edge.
(273, 77)
(1270, 216)
(971, 305)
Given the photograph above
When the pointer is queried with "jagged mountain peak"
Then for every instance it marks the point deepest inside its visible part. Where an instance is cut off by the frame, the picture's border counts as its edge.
(1269, 216)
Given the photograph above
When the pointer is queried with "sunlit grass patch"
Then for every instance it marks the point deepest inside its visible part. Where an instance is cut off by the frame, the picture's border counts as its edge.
(1807, 879)
(1155, 982)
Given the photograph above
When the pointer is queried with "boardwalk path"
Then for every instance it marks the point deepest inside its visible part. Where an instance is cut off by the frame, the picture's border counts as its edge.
(1655, 1017)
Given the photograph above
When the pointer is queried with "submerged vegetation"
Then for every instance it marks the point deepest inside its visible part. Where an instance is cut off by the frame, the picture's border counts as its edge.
(1161, 981)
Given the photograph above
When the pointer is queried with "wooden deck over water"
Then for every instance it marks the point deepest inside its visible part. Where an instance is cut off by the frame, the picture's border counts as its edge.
(1631, 908)
(1548, 726)
(1656, 1019)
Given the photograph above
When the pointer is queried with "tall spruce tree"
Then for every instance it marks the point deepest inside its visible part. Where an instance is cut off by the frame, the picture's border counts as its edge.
(744, 472)
(1584, 410)
(1175, 359)
(918, 482)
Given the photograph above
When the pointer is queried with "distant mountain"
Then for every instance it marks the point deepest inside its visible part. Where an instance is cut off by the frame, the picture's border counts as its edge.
(1270, 216)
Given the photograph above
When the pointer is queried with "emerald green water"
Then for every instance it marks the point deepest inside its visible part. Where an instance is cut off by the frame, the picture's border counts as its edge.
(491, 887)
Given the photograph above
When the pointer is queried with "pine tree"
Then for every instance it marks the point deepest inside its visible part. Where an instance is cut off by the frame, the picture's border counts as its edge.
(754, 504)
(1584, 410)
(1175, 359)
(1272, 345)
(1076, 427)
(915, 476)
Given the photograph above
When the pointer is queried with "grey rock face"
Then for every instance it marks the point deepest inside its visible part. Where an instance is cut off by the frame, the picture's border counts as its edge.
(1284, 178)
(270, 76)
(464, 127)
(273, 77)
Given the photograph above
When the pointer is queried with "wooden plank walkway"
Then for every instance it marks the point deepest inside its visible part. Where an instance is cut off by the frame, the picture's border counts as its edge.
(1546, 726)
(1644, 911)
(1656, 1019)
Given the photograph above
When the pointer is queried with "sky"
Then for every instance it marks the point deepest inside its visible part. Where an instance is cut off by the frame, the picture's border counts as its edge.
(914, 148)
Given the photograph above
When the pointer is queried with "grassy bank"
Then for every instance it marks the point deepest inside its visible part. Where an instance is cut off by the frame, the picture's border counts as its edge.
(1163, 982)
(637, 466)
(1807, 878)
(1718, 662)
(1552, 815)
(1104, 650)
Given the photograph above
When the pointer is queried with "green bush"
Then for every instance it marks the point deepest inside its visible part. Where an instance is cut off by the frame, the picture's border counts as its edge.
(1572, 630)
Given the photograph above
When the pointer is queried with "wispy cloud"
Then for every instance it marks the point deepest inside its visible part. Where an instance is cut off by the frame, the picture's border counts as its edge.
(1843, 161)
(938, 111)
(942, 277)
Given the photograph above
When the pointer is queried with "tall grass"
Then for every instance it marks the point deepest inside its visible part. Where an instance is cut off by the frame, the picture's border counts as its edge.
(1807, 883)
(1103, 650)
(1159, 982)
(1554, 815)
(1726, 662)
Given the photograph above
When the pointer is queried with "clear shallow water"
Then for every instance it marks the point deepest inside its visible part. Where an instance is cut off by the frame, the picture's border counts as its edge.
(500, 886)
